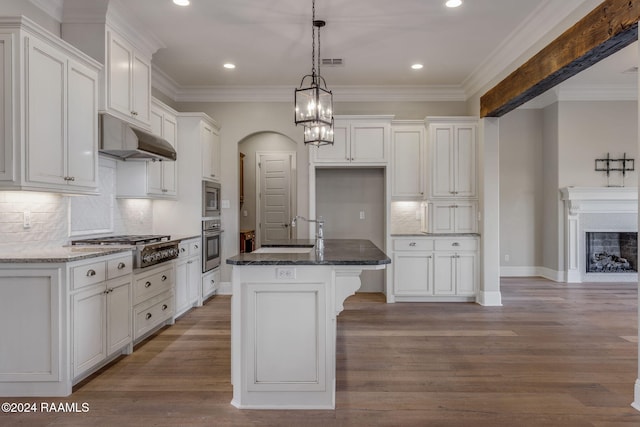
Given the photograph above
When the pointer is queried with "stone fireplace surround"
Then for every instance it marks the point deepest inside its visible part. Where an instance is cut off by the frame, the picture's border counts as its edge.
(596, 209)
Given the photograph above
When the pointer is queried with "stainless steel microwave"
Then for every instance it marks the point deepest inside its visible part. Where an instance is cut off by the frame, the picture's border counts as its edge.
(210, 199)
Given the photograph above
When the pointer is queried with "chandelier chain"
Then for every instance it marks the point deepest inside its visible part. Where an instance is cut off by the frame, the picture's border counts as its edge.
(313, 40)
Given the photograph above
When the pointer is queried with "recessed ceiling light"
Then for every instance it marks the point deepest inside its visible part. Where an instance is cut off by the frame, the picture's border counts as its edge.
(181, 2)
(229, 66)
(453, 3)
(417, 66)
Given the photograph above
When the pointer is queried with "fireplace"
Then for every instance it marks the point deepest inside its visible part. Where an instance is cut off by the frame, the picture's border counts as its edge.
(611, 252)
(600, 234)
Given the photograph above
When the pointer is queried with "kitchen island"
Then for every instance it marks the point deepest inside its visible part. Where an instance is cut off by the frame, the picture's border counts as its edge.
(286, 299)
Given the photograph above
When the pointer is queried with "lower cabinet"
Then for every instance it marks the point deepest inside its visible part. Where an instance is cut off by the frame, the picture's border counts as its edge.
(435, 268)
(153, 299)
(210, 283)
(188, 276)
(100, 312)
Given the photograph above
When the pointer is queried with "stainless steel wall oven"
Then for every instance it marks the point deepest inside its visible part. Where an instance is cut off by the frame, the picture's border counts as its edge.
(211, 244)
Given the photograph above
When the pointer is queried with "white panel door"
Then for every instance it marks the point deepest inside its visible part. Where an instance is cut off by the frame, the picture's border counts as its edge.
(407, 170)
(368, 143)
(46, 103)
(466, 273)
(119, 63)
(442, 217)
(6, 126)
(82, 122)
(89, 328)
(339, 151)
(444, 274)
(169, 168)
(275, 196)
(119, 314)
(154, 169)
(141, 89)
(465, 214)
(412, 273)
(207, 141)
(441, 161)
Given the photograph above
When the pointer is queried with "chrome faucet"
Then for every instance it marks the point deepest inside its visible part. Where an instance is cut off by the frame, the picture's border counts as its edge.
(319, 230)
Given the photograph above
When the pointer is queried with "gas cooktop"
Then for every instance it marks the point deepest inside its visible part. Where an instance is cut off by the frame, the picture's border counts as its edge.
(143, 239)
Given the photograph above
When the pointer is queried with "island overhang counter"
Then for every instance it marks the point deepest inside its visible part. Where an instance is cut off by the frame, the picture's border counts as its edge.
(283, 321)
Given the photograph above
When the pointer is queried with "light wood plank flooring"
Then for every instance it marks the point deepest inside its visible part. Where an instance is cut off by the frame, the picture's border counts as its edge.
(554, 355)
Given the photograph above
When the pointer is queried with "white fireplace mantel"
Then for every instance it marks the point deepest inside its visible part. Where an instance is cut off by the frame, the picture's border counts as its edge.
(579, 203)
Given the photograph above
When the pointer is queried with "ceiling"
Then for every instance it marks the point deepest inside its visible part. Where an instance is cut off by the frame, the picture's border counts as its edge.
(269, 41)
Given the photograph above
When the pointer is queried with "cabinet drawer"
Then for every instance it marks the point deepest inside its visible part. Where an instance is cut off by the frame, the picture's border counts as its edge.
(148, 316)
(119, 267)
(152, 284)
(194, 248)
(89, 274)
(419, 244)
(457, 245)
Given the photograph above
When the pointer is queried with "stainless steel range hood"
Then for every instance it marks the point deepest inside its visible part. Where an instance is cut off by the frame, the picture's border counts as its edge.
(123, 141)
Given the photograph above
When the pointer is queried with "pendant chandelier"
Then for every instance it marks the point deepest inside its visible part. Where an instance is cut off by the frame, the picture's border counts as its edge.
(314, 103)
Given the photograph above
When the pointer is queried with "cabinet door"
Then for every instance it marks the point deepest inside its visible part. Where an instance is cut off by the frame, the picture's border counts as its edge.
(465, 214)
(194, 280)
(407, 169)
(441, 142)
(412, 273)
(210, 282)
(369, 143)
(182, 287)
(154, 169)
(6, 103)
(89, 329)
(82, 107)
(119, 323)
(444, 273)
(170, 169)
(119, 74)
(340, 151)
(466, 273)
(443, 217)
(207, 141)
(141, 89)
(46, 101)
(465, 161)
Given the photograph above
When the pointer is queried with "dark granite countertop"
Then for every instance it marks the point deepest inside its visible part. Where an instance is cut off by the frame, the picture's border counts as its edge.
(336, 252)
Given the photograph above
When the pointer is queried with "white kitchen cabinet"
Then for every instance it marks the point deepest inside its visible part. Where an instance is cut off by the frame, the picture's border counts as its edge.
(153, 299)
(188, 276)
(210, 143)
(407, 159)
(49, 114)
(210, 283)
(152, 179)
(453, 216)
(357, 140)
(128, 91)
(453, 148)
(100, 311)
(435, 268)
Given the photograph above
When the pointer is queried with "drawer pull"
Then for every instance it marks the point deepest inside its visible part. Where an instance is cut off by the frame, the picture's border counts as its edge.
(412, 244)
(164, 307)
(148, 316)
(164, 277)
(121, 265)
(147, 285)
(91, 273)
(195, 246)
(183, 250)
(455, 244)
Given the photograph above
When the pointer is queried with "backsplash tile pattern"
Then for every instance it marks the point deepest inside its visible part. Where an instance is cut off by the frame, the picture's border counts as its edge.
(403, 217)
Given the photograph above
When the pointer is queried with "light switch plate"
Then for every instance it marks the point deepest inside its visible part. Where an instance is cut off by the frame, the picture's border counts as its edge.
(225, 204)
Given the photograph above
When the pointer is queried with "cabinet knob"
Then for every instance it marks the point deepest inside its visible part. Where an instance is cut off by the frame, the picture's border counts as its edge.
(134, 113)
(164, 307)
(455, 244)
(121, 266)
(196, 246)
(412, 244)
(164, 277)
(148, 316)
(91, 273)
(164, 190)
(183, 250)
(148, 284)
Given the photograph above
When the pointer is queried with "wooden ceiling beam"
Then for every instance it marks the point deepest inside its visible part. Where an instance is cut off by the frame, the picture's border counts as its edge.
(608, 28)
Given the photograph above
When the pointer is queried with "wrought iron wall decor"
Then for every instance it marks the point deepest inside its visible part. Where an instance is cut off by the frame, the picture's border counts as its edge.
(609, 165)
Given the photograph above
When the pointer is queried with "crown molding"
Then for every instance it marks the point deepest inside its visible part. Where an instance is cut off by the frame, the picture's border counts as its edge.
(538, 25)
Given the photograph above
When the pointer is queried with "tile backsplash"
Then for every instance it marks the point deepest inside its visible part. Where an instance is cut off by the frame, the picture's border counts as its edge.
(405, 217)
(56, 218)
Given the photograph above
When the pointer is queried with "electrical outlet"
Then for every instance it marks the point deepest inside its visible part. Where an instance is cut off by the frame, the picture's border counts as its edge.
(225, 204)
(506, 258)
(26, 219)
(286, 273)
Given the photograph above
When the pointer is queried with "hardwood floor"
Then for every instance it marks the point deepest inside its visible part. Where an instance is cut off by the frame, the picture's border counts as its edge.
(555, 354)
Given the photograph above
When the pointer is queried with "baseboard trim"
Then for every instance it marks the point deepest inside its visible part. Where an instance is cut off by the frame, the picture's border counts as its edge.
(225, 289)
(636, 395)
(529, 271)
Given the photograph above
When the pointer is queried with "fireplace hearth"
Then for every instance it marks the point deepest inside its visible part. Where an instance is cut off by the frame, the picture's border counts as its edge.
(611, 252)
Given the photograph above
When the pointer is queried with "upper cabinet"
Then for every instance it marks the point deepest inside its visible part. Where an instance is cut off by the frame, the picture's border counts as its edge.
(153, 179)
(48, 114)
(407, 159)
(452, 152)
(361, 140)
(128, 88)
(110, 36)
(210, 142)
